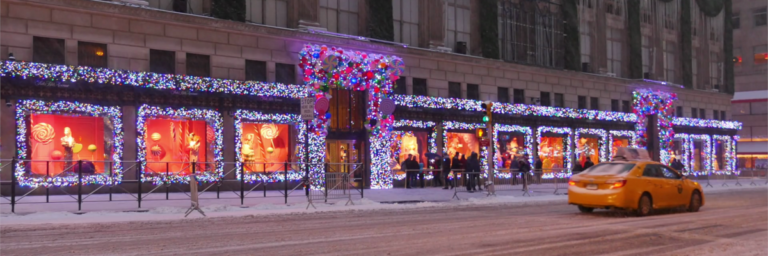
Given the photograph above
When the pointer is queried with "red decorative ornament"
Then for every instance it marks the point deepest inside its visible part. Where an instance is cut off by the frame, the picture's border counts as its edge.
(336, 76)
(369, 75)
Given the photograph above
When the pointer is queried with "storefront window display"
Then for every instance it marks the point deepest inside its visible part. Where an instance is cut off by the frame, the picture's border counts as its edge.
(59, 140)
(512, 142)
(264, 144)
(591, 144)
(173, 143)
(554, 150)
(723, 153)
(459, 137)
(701, 152)
(619, 139)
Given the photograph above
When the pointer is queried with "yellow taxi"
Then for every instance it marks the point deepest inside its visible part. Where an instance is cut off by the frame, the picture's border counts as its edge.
(632, 181)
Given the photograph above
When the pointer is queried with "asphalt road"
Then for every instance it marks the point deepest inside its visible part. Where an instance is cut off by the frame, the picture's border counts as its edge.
(731, 223)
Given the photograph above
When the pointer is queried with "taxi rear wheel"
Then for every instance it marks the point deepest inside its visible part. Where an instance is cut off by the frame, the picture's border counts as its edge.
(695, 202)
(585, 209)
(644, 206)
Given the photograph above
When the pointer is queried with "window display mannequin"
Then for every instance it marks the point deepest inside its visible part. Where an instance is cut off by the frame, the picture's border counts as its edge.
(68, 142)
(193, 145)
(248, 154)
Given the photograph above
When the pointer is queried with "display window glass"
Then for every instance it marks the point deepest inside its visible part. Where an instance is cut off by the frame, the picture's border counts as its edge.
(463, 143)
(617, 143)
(58, 142)
(588, 148)
(718, 162)
(174, 146)
(265, 146)
(413, 143)
(551, 153)
(698, 155)
(511, 149)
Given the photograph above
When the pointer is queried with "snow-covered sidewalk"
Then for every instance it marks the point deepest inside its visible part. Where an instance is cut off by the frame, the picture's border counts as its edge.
(124, 207)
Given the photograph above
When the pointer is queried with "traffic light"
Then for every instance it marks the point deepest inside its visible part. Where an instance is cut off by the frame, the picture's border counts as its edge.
(487, 107)
(480, 132)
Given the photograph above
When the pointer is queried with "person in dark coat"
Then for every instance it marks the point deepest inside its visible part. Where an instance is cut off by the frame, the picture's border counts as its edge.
(588, 163)
(514, 165)
(463, 162)
(472, 169)
(577, 168)
(446, 172)
(417, 175)
(456, 162)
(539, 169)
(404, 166)
(434, 164)
(525, 168)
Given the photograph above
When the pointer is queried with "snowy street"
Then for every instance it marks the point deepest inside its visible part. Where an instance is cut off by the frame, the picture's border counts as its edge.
(733, 222)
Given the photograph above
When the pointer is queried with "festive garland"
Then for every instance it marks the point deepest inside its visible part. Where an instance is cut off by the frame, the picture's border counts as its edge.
(26, 107)
(632, 135)
(568, 143)
(330, 67)
(686, 157)
(603, 142)
(242, 116)
(211, 117)
(707, 123)
(650, 102)
(64, 73)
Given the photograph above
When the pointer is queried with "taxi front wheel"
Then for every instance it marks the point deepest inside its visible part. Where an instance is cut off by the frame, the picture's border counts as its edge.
(585, 209)
(644, 206)
(695, 202)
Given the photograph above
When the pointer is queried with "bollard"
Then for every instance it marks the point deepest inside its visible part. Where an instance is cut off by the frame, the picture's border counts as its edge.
(325, 181)
(79, 184)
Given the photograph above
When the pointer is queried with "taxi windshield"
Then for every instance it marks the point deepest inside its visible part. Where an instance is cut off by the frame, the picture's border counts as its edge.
(610, 168)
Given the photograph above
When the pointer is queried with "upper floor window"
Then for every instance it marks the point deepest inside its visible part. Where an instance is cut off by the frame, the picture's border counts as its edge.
(760, 17)
(267, 12)
(92, 55)
(457, 15)
(669, 61)
(613, 7)
(255, 70)
(559, 100)
(615, 105)
(454, 90)
(586, 46)
(646, 55)
(519, 96)
(473, 92)
(400, 87)
(582, 102)
(670, 14)
(735, 20)
(48, 50)
(716, 115)
(694, 113)
(626, 107)
(679, 112)
(613, 50)
(502, 94)
(722, 115)
(714, 69)
(545, 100)
(285, 73)
(162, 62)
(702, 113)
(339, 16)
(594, 103)
(405, 14)
(198, 65)
(420, 86)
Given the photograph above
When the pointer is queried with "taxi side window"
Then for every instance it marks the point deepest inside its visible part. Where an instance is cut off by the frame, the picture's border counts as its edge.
(650, 171)
(669, 174)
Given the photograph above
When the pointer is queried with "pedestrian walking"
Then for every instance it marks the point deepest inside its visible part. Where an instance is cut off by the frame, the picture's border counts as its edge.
(446, 172)
(472, 168)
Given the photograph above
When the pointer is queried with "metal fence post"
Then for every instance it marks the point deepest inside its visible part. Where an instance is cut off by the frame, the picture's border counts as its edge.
(47, 177)
(285, 181)
(242, 183)
(79, 184)
(165, 181)
(325, 181)
(264, 180)
(362, 183)
(138, 182)
(13, 185)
